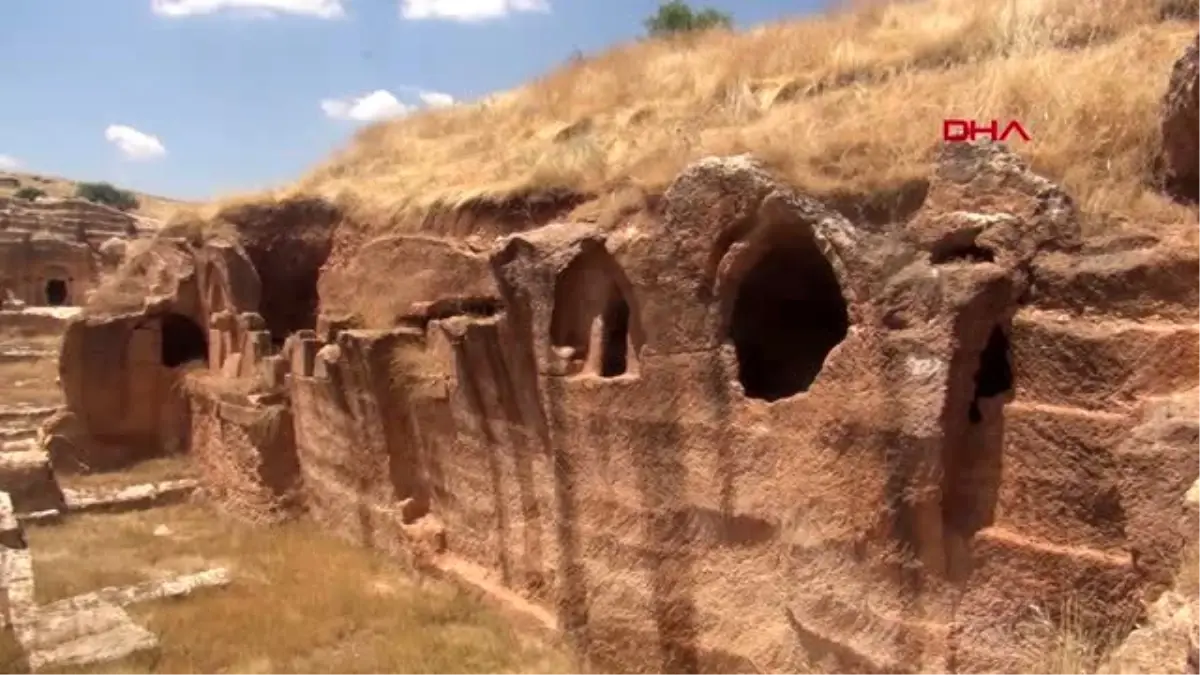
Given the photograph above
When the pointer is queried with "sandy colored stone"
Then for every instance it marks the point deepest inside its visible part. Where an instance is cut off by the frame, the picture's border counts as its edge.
(1163, 643)
(51, 250)
(26, 475)
(103, 632)
(734, 431)
(11, 534)
(128, 498)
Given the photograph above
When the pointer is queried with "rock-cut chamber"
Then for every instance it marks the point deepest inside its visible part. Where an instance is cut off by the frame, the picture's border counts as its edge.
(788, 315)
(183, 341)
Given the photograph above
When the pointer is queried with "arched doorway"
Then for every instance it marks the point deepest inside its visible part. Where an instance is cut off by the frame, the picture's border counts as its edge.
(57, 292)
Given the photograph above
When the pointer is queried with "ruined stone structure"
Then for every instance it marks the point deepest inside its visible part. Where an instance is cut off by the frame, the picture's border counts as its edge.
(52, 252)
(734, 430)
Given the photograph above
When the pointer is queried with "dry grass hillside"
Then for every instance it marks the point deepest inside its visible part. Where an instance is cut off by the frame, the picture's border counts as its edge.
(847, 103)
(150, 206)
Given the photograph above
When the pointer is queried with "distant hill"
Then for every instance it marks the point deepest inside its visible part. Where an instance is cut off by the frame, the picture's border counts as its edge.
(151, 206)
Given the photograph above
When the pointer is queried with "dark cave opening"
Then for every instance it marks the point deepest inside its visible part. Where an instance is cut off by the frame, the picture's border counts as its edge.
(788, 315)
(614, 343)
(995, 375)
(182, 341)
(56, 292)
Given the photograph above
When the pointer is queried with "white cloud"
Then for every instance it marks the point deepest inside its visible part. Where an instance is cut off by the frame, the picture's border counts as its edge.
(9, 163)
(322, 9)
(382, 104)
(377, 105)
(134, 144)
(436, 99)
(468, 10)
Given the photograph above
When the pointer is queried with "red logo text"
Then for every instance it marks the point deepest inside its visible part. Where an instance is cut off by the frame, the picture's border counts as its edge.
(959, 131)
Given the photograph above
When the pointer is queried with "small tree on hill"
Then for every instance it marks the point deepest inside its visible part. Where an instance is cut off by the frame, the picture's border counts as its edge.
(29, 193)
(105, 193)
(677, 17)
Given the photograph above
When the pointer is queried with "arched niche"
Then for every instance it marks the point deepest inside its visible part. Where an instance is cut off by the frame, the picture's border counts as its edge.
(56, 290)
(783, 308)
(595, 324)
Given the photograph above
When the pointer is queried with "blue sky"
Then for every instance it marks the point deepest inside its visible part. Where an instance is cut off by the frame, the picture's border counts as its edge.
(197, 98)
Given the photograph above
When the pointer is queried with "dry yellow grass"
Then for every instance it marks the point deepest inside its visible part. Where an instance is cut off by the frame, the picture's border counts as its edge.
(1064, 643)
(300, 601)
(149, 471)
(849, 102)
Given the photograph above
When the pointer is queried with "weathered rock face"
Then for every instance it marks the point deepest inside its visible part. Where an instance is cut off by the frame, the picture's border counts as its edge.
(121, 366)
(1181, 126)
(41, 270)
(738, 432)
(431, 268)
(73, 219)
(287, 244)
(112, 252)
(246, 455)
(1164, 643)
(706, 436)
(50, 249)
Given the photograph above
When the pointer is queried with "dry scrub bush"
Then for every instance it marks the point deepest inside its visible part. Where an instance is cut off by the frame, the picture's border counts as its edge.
(413, 365)
(852, 101)
(1064, 642)
(196, 379)
(120, 293)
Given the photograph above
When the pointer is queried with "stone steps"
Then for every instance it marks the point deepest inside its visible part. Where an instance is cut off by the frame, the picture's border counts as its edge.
(1061, 478)
(1102, 365)
(1146, 283)
(89, 628)
(1019, 576)
(34, 415)
(16, 434)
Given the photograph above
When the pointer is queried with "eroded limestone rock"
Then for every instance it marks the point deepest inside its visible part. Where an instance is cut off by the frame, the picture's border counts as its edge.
(26, 475)
(125, 354)
(733, 431)
(1181, 126)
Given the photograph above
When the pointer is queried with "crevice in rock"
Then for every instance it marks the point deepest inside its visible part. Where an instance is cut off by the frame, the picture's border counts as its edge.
(960, 247)
(478, 307)
(882, 207)
(995, 376)
(968, 253)
(972, 456)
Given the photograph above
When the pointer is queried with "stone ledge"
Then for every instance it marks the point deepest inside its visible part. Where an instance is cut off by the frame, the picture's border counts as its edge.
(130, 498)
